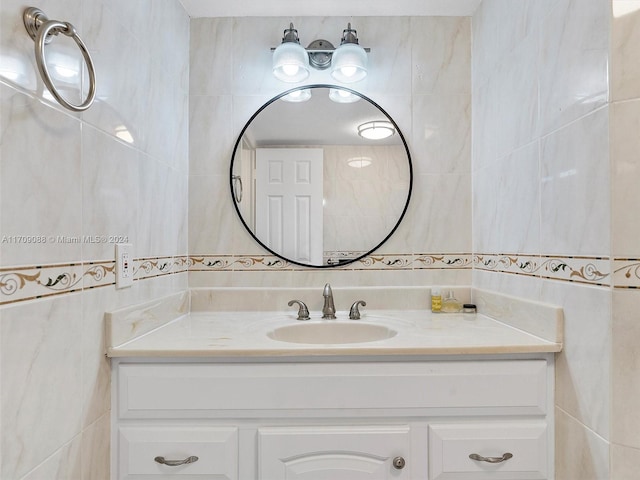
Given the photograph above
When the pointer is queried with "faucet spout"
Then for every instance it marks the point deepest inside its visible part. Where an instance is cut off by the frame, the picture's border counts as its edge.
(329, 309)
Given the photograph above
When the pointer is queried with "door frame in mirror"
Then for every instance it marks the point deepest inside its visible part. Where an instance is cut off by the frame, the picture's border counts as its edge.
(239, 141)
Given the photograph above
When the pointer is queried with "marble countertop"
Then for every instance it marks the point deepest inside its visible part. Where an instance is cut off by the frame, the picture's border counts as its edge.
(245, 334)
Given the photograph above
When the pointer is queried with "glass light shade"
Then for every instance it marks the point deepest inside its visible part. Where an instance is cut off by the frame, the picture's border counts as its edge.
(342, 96)
(290, 62)
(349, 63)
(376, 130)
(298, 96)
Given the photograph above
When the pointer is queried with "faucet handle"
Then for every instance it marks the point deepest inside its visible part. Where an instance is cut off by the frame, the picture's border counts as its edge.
(303, 311)
(354, 312)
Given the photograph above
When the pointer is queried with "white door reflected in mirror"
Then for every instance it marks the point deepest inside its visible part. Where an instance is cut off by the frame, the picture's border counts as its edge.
(288, 200)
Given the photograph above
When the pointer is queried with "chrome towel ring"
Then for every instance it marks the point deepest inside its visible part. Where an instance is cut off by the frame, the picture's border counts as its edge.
(237, 188)
(41, 30)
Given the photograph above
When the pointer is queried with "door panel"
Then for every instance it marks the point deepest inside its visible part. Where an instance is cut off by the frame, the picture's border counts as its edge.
(289, 193)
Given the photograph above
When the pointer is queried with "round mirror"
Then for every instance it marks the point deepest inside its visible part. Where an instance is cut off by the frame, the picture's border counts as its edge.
(321, 176)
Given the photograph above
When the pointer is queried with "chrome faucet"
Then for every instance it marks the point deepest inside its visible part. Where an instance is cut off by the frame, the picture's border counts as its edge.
(328, 309)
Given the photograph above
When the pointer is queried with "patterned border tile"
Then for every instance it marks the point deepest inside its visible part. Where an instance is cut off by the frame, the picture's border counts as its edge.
(446, 260)
(230, 263)
(626, 272)
(99, 274)
(204, 263)
(18, 284)
(382, 262)
(157, 266)
(29, 283)
(590, 270)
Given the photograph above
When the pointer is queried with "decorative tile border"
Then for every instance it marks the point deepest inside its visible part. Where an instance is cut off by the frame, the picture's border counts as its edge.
(230, 263)
(28, 283)
(626, 272)
(18, 284)
(446, 261)
(382, 262)
(261, 263)
(144, 268)
(589, 270)
(99, 274)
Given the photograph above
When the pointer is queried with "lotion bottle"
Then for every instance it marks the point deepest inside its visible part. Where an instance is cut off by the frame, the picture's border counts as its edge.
(436, 299)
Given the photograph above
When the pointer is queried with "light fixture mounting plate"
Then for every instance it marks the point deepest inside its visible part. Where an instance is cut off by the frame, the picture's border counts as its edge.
(320, 53)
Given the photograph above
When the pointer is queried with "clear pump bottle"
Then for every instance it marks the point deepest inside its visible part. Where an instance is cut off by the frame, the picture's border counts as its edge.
(451, 304)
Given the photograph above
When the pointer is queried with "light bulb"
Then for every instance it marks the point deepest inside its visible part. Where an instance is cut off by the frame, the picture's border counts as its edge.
(290, 62)
(290, 70)
(349, 63)
(348, 71)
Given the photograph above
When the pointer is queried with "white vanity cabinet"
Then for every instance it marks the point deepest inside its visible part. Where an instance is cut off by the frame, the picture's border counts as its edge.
(416, 418)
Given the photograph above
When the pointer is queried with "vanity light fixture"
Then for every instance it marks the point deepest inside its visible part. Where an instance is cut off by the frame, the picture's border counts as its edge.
(290, 59)
(348, 62)
(376, 130)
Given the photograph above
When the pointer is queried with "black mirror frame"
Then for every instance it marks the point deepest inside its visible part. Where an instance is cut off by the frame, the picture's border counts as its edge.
(239, 140)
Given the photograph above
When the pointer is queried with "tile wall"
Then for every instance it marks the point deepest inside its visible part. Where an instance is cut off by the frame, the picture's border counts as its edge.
(71, 185)
(367, 201)
(625, 175)
(555, 131)
(422, 79)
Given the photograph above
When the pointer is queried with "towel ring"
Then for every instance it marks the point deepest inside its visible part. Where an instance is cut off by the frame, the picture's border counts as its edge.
(41, 30)
(237, 188)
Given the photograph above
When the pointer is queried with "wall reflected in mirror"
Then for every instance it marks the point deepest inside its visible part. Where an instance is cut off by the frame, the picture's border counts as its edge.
(313, 191)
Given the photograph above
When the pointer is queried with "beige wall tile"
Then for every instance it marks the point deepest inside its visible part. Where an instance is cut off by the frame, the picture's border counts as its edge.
(625, 57)
(625, 365)
(41, 362)
(625, 462)
(625, 170)
(580, 454)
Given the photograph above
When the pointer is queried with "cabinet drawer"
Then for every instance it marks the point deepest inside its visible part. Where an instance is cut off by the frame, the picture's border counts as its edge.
(334, 452)
(504, 387)
(451, 444)
(216, 449)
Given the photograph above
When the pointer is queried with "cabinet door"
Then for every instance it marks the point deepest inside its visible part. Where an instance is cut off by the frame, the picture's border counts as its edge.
(336, 453)
(140, 449)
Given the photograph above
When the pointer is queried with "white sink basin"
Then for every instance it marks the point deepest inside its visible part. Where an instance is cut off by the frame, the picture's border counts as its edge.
(331, 332)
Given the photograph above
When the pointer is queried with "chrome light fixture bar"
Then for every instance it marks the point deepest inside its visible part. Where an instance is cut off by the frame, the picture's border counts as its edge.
(348, 62)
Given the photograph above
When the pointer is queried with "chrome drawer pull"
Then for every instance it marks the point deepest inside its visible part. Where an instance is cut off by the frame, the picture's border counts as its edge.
(480, 458)
(176, 463)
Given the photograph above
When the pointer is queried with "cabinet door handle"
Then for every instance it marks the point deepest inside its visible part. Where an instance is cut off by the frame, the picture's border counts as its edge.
(176, 463)
(480, 458)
